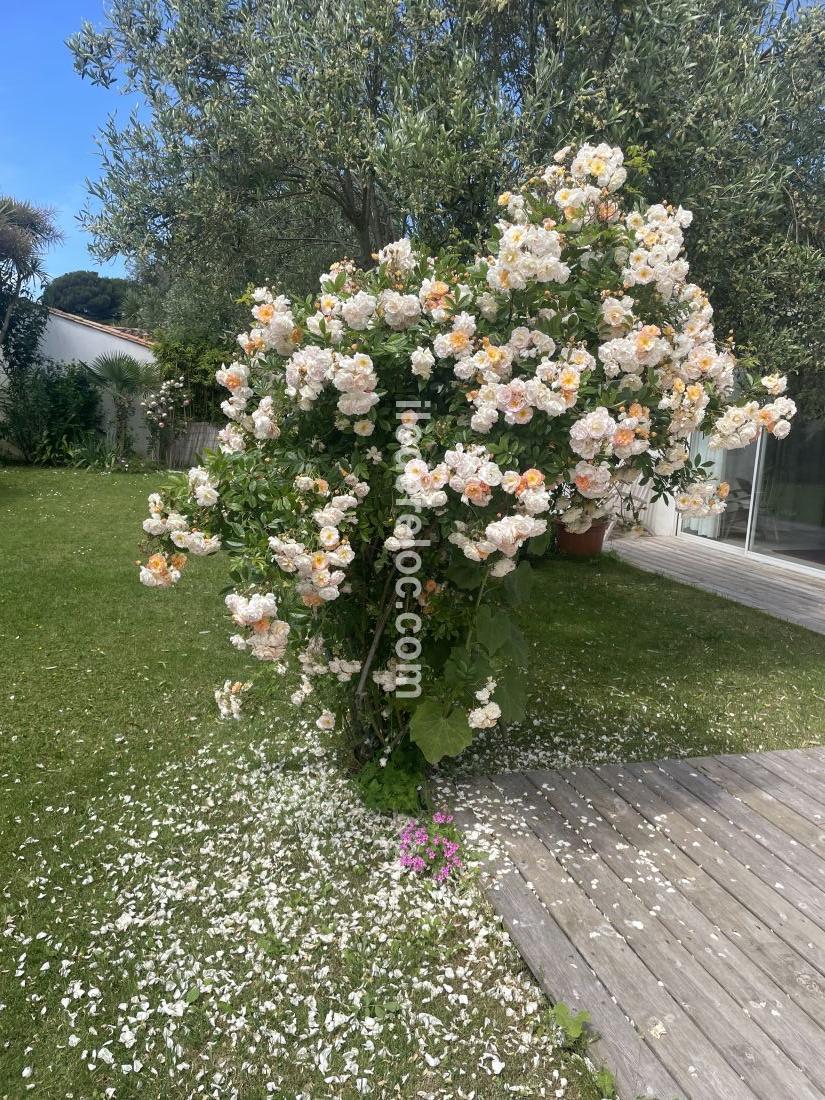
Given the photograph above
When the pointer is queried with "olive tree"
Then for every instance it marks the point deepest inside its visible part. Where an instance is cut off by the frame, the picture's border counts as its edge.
(279, 134)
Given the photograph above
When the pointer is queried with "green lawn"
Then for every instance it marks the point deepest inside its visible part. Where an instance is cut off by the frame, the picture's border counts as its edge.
(630, 666)
(194, 907)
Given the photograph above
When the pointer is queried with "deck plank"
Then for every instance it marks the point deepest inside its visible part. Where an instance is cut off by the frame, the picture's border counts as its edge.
(798, 776)
(790, 970)
(682, 903)
(565, 975)
(698, 1068)
(774, 799)
(757, 997)
(735, 1037)
(796, 855)
(771, 907)
(799, 891)
(766, 586)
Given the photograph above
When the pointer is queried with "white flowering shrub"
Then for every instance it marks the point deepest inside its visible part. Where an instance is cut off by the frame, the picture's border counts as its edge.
(398, 446)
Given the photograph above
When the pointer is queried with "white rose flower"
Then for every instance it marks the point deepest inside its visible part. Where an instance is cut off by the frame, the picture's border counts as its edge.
(502, 567)
(206, 496)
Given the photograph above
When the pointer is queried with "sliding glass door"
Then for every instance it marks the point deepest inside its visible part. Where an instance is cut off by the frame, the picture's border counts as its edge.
(789, 506)
(737, 468)
(776, 505)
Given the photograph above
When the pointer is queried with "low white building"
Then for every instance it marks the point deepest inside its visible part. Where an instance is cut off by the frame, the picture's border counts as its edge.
(68, 338)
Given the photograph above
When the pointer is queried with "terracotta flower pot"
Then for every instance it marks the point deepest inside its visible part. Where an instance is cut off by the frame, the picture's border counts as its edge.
(585, 545)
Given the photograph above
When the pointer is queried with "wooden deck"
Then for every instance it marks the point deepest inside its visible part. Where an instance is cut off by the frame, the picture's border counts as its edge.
(781, 592)
(682, 904)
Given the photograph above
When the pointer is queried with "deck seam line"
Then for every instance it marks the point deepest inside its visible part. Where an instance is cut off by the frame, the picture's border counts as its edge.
(761, 920)
(680, 1006)
(725, 940)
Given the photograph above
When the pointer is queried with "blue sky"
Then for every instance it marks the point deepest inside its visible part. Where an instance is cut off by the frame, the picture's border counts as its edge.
(47, 146)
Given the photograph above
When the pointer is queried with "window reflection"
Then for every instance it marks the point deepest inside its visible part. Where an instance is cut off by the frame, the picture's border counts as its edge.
(735, 467)
(789, 508)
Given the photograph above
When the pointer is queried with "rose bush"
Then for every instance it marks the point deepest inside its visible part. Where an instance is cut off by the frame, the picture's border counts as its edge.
(398, 447)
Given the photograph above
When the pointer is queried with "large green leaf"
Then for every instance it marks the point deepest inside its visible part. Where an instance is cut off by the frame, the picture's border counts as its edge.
(439, 731)
(538, 546)
(491, 631)
(464, 573)
(511, 696)
(463, 670)
(518, 585)
(499, 634)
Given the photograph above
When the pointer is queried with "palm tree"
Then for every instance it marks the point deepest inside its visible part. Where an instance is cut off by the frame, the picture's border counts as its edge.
(26, 232)
(125, 379)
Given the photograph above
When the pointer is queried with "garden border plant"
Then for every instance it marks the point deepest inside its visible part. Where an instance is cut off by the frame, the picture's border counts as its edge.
(427, 420)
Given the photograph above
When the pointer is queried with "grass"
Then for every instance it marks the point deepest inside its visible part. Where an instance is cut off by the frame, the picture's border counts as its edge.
(628, 666)
(190, 907)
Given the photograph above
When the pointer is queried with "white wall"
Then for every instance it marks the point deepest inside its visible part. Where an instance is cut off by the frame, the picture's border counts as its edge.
(68, 341)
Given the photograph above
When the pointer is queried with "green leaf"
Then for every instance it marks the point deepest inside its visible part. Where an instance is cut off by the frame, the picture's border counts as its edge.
(464, 573)
(518, 585)
(605, 1083)
(499, 634)
(515, 648)
(572, 1026)
(192, 995)
(439, 732)
(489, 630)
(511, 696)
(538, 546)
(463, 670)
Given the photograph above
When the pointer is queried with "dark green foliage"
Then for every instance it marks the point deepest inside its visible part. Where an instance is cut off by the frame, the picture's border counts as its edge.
(398, 787)
(88, 294)
(25, 331)
(196, 362)
(46, 410)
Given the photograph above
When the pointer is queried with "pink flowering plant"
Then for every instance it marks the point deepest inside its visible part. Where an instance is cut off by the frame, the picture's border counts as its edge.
(399, 446)
(431, 849)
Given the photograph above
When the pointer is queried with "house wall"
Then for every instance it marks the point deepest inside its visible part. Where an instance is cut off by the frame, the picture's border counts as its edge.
(67, 341)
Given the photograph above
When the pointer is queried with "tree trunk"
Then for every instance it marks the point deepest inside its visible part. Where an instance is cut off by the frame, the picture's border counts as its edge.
(15, 298)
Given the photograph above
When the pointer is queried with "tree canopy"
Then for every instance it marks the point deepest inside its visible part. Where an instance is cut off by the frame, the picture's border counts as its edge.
(88, 294)
(281, 134)
(26, 232)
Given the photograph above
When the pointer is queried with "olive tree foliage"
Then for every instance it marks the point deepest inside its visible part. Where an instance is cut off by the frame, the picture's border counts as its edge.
(281, 134)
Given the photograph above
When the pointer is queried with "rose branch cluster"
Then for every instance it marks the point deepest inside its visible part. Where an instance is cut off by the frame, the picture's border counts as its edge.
(570, 361)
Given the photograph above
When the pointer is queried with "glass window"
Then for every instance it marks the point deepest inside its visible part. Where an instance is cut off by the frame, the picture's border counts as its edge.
(735, 467)
(789, 509)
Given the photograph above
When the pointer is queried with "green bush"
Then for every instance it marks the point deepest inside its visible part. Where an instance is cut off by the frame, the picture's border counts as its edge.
(196, 363)
(46, 409)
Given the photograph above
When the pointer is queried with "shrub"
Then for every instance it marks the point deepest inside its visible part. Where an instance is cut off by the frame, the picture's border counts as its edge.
(195, 362)
(23, 336)
(398, 446)
(46, 409)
